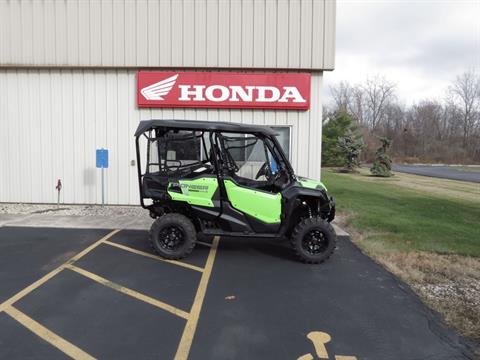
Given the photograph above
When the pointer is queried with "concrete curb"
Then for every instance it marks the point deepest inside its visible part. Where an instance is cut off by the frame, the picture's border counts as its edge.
(340, 232)
(77, 221)
(92, 222)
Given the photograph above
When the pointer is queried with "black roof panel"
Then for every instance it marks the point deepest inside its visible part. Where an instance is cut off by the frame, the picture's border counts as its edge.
(147, 125)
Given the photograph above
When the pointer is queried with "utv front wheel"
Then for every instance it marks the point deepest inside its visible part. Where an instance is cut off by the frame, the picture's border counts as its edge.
(313, 240)
(173, 236)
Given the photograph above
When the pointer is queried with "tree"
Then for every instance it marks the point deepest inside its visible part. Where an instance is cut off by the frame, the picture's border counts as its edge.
(351, 145)
(377, 94)
(431, 130)
(465, 92)
(366, 102)
(336, 126)
(342, 94)
(382, 166)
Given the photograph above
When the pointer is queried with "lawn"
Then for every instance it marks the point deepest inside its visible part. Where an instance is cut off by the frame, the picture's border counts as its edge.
(424, 230)
(397, 214)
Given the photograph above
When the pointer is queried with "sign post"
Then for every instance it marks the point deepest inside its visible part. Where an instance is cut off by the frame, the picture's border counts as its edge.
(58, 188)
(102, 163)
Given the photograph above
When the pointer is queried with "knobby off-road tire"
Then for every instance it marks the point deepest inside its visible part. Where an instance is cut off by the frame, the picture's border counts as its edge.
(173, 236)
(313, 240)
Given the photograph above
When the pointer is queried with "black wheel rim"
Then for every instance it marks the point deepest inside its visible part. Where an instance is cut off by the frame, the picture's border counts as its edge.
(171, 238)
(315, 242)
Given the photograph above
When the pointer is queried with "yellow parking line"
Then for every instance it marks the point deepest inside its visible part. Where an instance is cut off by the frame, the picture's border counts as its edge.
(152, 256)
(130, 292)
(47, 335)
(52, 273)
(93, 246)
(189, 331)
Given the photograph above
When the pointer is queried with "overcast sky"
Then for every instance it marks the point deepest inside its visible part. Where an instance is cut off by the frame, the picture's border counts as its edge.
(420, 45)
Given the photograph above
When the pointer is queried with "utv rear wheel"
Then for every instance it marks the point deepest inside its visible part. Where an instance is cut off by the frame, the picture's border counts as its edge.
(313, 240)
(173, 236)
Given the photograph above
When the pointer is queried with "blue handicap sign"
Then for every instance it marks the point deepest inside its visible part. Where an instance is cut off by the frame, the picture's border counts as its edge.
(102, 158)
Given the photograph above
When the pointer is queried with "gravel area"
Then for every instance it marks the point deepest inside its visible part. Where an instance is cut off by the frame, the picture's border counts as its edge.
(467, 291)
(73, 210)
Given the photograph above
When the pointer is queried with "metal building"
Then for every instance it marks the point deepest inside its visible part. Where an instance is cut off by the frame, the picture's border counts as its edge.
(68, 82)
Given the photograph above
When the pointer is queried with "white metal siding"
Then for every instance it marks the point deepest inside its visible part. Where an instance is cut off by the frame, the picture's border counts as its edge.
(288, 34)
(51, 122)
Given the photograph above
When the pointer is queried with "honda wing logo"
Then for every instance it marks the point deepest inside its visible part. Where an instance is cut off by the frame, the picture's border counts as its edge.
(159, 89)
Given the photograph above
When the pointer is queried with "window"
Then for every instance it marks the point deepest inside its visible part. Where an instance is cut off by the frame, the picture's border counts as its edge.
(283, 138)
(177, 150)
(246, 154)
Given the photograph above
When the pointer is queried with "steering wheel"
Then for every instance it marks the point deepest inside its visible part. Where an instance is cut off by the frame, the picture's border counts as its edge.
(281, 178)
(264, 170)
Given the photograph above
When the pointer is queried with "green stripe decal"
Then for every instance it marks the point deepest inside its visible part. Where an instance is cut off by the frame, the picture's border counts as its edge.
(195, 192)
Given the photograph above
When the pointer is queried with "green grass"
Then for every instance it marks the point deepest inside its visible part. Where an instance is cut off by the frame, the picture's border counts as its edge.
(394, 218)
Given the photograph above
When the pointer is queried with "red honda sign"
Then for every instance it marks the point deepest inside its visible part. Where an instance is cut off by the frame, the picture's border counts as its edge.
(223, 90)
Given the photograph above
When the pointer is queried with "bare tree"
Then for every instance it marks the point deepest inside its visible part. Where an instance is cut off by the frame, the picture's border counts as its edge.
(358, 105)
(342, 96)
(426, 123)
(377, 94)
(465, 92)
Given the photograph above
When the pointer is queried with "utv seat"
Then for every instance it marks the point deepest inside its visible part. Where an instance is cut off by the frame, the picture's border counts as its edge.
(155, 184)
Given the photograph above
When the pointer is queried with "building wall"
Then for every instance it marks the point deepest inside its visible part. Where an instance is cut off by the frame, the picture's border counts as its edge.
(287, 34)
(52, 120)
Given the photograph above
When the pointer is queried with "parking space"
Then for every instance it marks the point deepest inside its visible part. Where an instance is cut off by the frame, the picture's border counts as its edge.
(17, 342)
(101, 321)
(26, 254)
(105, 294)
(263, 304)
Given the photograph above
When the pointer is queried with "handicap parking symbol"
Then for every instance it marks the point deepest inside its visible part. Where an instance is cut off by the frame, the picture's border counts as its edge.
(319, 340)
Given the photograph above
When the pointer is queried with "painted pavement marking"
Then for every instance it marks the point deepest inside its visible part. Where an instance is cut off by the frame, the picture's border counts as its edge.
(189, 332)
(320, 340)
(130, 292)
(47, 335)
(54, 272)
(156, 257)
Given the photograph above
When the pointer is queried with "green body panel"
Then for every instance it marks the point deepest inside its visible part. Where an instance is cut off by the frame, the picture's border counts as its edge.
(259, 204)
(309, 183)
(195, 192)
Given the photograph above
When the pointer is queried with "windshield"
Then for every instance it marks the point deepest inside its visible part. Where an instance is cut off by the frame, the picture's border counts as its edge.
(245, 154)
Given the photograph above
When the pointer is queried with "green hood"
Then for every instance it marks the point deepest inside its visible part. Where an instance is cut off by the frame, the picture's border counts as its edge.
(311, 184)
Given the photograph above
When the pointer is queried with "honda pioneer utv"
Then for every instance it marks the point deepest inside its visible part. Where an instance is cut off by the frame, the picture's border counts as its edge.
(216, 178)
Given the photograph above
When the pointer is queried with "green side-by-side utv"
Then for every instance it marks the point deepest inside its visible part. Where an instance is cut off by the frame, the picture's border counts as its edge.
(217, 178)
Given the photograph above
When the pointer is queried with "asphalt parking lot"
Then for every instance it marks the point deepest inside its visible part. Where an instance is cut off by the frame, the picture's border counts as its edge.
(103, 294)
(443, 172)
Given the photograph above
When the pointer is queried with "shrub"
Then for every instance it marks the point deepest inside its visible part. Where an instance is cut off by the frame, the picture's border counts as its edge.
(338, 126)
(382, 166)
(351, 145)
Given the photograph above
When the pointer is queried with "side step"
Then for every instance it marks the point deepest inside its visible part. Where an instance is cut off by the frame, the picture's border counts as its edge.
(218, 232)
